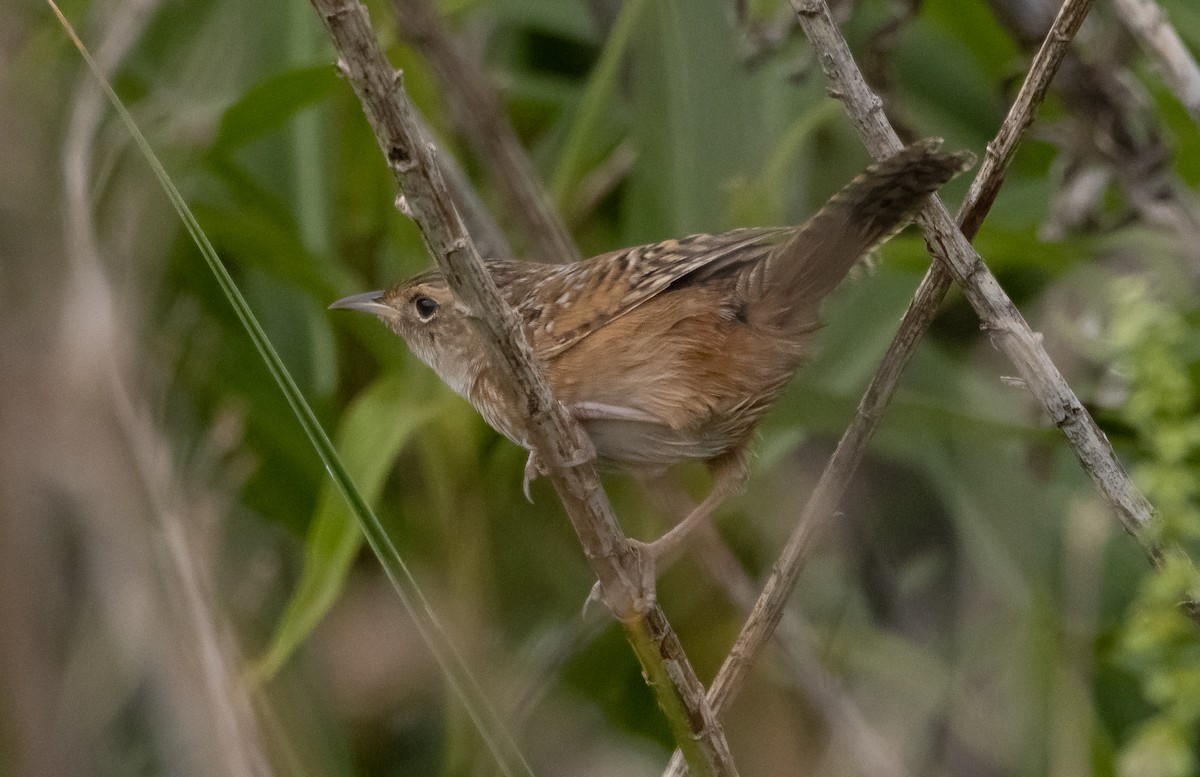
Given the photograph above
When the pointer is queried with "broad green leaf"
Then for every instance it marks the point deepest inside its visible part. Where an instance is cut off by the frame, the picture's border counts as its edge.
(596, 98)
(375, 428)
(268, 105)
(692, 127)
(262, 241)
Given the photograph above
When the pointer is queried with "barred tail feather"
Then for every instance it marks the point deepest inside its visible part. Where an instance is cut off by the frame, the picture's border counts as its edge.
(869, 210)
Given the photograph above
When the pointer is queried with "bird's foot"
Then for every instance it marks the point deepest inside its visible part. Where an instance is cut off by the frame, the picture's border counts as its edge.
(534, 467)
(629, 596)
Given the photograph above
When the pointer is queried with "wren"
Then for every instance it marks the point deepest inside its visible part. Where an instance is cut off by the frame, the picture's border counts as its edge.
(672, 351)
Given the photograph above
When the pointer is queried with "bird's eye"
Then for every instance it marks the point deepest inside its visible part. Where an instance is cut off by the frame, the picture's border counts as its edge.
(425, 307)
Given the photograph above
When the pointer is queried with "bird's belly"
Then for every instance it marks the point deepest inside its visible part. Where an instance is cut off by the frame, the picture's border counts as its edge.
(640, 443)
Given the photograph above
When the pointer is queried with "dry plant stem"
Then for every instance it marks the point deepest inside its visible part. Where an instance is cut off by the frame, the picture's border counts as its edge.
(225, 700)
(222, 703)
(998, 315)
(553, 435)
(478, 112)
(601, 181)
(859, 741)
(857, 738)
(482, 227)
(996, 310)
(848, 727)
(87, 110)
(1114, 135)
(1158, 38)
(987, 182)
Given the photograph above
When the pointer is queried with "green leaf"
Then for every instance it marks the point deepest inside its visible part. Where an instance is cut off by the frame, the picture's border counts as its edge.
(376, 426)
(259, 240)
(597, 97)
(268, 105)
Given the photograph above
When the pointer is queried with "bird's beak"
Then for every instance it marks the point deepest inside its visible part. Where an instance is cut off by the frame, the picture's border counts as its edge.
(367, 302)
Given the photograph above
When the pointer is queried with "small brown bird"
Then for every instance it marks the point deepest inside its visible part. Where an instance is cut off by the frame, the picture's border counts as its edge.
(671, 351)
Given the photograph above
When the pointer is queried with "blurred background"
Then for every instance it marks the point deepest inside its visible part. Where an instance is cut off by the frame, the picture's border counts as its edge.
(182, 592)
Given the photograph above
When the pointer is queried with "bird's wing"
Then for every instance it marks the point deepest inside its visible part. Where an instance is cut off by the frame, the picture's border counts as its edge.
(574, 300)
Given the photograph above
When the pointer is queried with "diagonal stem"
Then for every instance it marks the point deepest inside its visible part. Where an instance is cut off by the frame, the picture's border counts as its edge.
(553, 435)
(1009, 331)
(479, 114)
(1091, 446)
(1149, 24)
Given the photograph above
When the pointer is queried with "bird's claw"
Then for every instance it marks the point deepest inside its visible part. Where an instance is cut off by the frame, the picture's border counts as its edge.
(634, 602)
(594, 595)
(534, 467)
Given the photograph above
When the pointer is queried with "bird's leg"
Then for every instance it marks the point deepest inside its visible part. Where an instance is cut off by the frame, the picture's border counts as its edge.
(665, 493)
(729, 475)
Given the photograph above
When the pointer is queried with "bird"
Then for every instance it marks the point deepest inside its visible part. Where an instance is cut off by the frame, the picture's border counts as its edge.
(671, 351)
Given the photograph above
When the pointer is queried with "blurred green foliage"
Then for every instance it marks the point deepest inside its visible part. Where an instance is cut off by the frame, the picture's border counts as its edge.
(1154, 352)
(972, 598)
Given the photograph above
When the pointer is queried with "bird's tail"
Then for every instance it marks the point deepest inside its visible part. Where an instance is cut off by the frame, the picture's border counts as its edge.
(869, 210)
